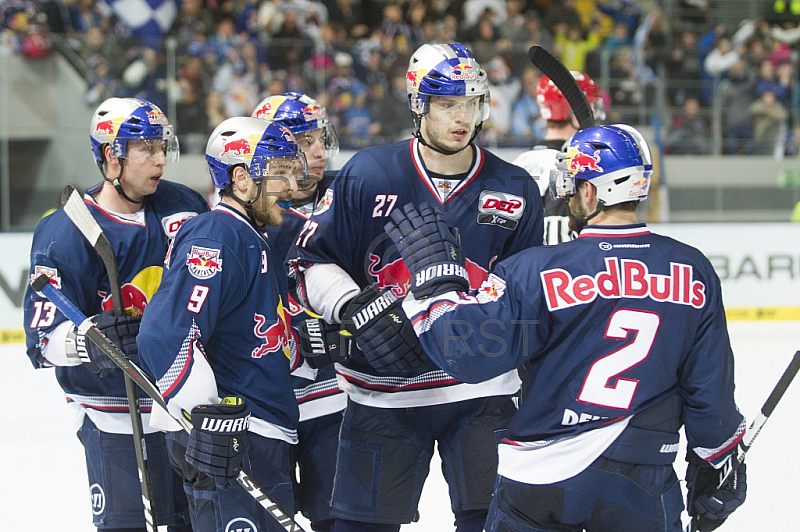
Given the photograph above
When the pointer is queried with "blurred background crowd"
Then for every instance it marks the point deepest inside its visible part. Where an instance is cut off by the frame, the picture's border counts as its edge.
(712, 77)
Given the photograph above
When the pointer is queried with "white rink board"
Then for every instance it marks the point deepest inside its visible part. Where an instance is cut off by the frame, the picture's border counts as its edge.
(46, 488)
(758, 263)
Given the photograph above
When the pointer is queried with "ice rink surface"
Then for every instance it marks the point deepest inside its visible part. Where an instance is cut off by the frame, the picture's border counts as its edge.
(46, 489)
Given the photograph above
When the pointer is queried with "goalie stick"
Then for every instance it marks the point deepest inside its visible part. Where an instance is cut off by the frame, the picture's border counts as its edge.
(732, 463)
(76, 210)
(562, 77)
(43, 286)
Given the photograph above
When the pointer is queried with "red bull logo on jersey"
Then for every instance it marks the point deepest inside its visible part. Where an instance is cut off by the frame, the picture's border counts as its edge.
(277, 336)
(324, 202)
(157, 118)
(203, 263)
(462, 72)
(236, 147)
(623, 278)
(396, 274)
(579, 161)
(137, 293)
(52, 273)
(491, 289)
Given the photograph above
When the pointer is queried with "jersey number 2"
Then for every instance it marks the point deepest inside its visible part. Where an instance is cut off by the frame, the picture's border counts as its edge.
(596, 389)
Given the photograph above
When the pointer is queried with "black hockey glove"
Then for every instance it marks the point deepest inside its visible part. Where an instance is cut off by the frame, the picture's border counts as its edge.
(383, 332)
(321, 344)
(431, 250)
(122, 332)
(218, 442)
(708, 505)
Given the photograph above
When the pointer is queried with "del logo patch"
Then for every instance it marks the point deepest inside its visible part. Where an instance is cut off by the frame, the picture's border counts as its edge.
(204, 263)
(500, 209)
(52, 273)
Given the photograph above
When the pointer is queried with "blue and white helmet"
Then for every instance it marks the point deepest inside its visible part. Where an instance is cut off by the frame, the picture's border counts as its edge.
(615, 159)
(118, 120)
(445, 70)
(254, 143)
(300, 113)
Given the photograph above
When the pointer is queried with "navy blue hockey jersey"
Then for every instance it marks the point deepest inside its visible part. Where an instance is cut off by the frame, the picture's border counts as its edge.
(218, 326)
(59, 250)
(607, 326)
(317, 391)
(496, 207)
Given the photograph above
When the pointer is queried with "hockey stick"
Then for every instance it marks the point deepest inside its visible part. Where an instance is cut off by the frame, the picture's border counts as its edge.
(732, 463)
(561, 76)
(77, 211)
(85, 326)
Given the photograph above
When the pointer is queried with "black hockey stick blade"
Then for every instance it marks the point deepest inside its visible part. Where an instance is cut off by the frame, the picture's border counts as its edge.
(42, 285)
(561, 76)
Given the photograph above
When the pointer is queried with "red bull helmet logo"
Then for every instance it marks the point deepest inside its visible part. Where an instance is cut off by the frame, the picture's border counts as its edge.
(463, 72)
(580, 161)
(105, 127)
(265, 111)
(157, 118)
(639, 187)
(203, 263)
(236, 147)
(313, 112)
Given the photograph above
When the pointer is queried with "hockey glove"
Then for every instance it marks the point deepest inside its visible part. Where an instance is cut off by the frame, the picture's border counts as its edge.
(321, 344)
(122, 332)
(708, 505)
(383, 332)
(218, 442)
(431, 250)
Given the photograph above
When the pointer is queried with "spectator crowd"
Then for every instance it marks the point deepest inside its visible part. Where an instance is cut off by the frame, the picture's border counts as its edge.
(683, 63)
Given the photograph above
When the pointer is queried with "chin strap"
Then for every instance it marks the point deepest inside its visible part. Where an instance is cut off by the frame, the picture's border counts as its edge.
(116, 183)
(581, 222)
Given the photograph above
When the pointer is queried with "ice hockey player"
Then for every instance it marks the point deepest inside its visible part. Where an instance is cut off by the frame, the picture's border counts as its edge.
(399, 404)
(139, 212)
(217, 336)
(624, 337)
(541, 159)
(319, 397)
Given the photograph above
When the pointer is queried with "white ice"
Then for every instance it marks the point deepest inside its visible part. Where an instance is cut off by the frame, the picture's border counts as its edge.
(45, 487)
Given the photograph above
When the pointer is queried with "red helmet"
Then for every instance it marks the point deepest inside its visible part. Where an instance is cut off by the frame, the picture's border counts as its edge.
(554, 106)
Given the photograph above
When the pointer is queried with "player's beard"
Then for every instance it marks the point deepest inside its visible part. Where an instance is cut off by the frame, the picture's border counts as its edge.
(266, 210)
(578, 213)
